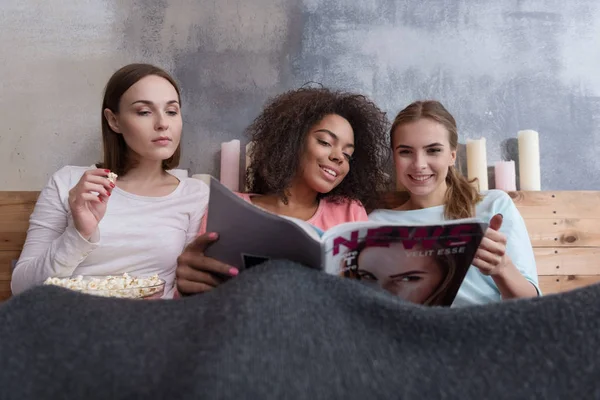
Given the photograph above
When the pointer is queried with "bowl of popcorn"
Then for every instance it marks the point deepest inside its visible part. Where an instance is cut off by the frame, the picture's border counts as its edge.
(123, 286)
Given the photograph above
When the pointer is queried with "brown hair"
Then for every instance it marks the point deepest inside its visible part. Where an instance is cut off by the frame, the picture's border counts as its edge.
(116, 154)
(461, 195)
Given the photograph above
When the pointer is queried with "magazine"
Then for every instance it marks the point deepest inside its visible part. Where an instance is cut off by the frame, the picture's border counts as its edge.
(422, 264)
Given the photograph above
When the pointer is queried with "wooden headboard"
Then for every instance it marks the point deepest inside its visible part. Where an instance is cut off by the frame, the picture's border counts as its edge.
(565, 234)
(563, 227)
(15, 208)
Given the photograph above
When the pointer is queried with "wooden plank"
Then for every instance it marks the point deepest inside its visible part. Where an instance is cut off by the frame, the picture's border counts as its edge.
(5, 292)
(18, 197)
(567, 261)
(14, 225)
(15, 209)
(551, 232)
(16, 205)
(581, 204)
(556, 284)
(12, 241)
(6, 258)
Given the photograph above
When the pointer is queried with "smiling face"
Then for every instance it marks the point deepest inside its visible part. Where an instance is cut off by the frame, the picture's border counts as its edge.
(406, 274)
(325, 162)
(149, 119)
(422, 157)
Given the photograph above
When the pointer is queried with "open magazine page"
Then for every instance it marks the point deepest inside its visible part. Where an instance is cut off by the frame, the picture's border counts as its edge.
(249, 235)
(421, 264)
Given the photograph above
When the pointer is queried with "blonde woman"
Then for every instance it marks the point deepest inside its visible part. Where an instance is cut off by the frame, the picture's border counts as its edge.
(424, 139)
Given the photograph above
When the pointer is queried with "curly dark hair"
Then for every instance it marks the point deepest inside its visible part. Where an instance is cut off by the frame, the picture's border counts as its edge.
(279, 134)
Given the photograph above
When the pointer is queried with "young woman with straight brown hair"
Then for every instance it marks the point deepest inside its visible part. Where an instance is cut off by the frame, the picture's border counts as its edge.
(87, 224)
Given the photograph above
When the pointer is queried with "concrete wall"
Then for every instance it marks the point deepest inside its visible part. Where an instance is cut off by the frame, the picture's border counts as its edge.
(498, 66)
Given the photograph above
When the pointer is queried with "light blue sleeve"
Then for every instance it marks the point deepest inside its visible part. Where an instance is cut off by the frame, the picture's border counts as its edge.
(518, 245)
(319, 231)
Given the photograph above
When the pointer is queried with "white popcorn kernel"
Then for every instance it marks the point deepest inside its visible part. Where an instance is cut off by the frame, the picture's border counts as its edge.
(112, 177)
(92, 285)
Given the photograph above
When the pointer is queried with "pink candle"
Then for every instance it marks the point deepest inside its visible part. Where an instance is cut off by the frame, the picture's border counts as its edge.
(505, 176)
(230, 164)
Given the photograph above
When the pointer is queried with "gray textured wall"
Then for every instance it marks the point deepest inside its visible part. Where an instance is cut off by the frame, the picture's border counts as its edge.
(498, 66)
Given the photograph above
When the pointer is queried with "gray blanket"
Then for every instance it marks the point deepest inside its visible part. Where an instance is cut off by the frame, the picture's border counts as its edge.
(281, 331)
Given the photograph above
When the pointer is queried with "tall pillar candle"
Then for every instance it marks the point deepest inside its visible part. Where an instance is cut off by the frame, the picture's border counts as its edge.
(505, 177)
(529, 160)
(230, 164)
(477, 162)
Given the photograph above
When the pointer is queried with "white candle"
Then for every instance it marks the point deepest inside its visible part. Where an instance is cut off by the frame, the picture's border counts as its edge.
(477, 162)
(529, 160)
(203, 177)
(505, 177)
(249, 147)
(230, 164)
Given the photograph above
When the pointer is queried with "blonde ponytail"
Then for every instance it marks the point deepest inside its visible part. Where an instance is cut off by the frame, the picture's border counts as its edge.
(461, 196)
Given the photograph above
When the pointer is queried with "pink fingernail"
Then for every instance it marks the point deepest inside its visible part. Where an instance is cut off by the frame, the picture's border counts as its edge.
(233, 271)
(212, 235)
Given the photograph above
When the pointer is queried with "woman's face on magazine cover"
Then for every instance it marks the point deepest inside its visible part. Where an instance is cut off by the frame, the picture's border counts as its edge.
(422, 156)
(411, 277)
(325, 161)
(149, 118)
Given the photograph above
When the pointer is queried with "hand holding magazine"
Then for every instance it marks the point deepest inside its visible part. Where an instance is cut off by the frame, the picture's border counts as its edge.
(422, 264)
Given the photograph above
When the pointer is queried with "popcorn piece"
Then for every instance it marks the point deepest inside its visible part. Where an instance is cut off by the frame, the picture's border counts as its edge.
(112, 177)
(92, 285)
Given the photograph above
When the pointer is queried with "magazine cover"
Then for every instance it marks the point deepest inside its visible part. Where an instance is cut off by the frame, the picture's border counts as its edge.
(424, 264)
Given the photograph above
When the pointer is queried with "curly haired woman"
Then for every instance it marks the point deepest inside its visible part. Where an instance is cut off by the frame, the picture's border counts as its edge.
(317, 156)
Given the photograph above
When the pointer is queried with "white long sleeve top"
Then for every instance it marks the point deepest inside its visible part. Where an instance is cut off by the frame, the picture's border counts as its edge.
(138, 235)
